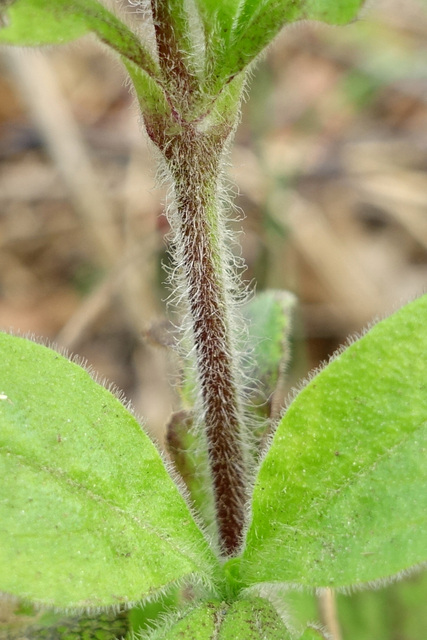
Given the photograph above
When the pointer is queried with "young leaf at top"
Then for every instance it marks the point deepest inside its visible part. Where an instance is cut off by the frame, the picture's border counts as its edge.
(41, 22)
(341, 496)
(243, 29)
(217, 17)
(89, 516)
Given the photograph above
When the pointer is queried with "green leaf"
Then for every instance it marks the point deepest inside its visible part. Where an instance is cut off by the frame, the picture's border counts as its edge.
(224, 111)
(199, 623)
(269, 319)
(218, 14)
(41, 22)
(187, 448)
(144, 617)
(341, 496)
(242, 30)
(89, 516)
(249, 619)
(252, 620)
(217, 18)
(151, 98)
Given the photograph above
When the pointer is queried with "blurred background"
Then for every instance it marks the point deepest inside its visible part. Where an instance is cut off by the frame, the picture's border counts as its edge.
(330, 168)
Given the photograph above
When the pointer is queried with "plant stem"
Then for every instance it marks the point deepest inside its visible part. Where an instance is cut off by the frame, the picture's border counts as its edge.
(173, 45)
(194, 160)
(170, 57)
(193, 146)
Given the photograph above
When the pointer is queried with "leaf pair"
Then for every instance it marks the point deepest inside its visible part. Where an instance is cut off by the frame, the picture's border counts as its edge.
(89, 516)
(234, 31)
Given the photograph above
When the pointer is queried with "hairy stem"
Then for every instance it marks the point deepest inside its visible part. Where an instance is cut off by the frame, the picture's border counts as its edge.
(194, 160)
(173, 43)
(192, 146)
